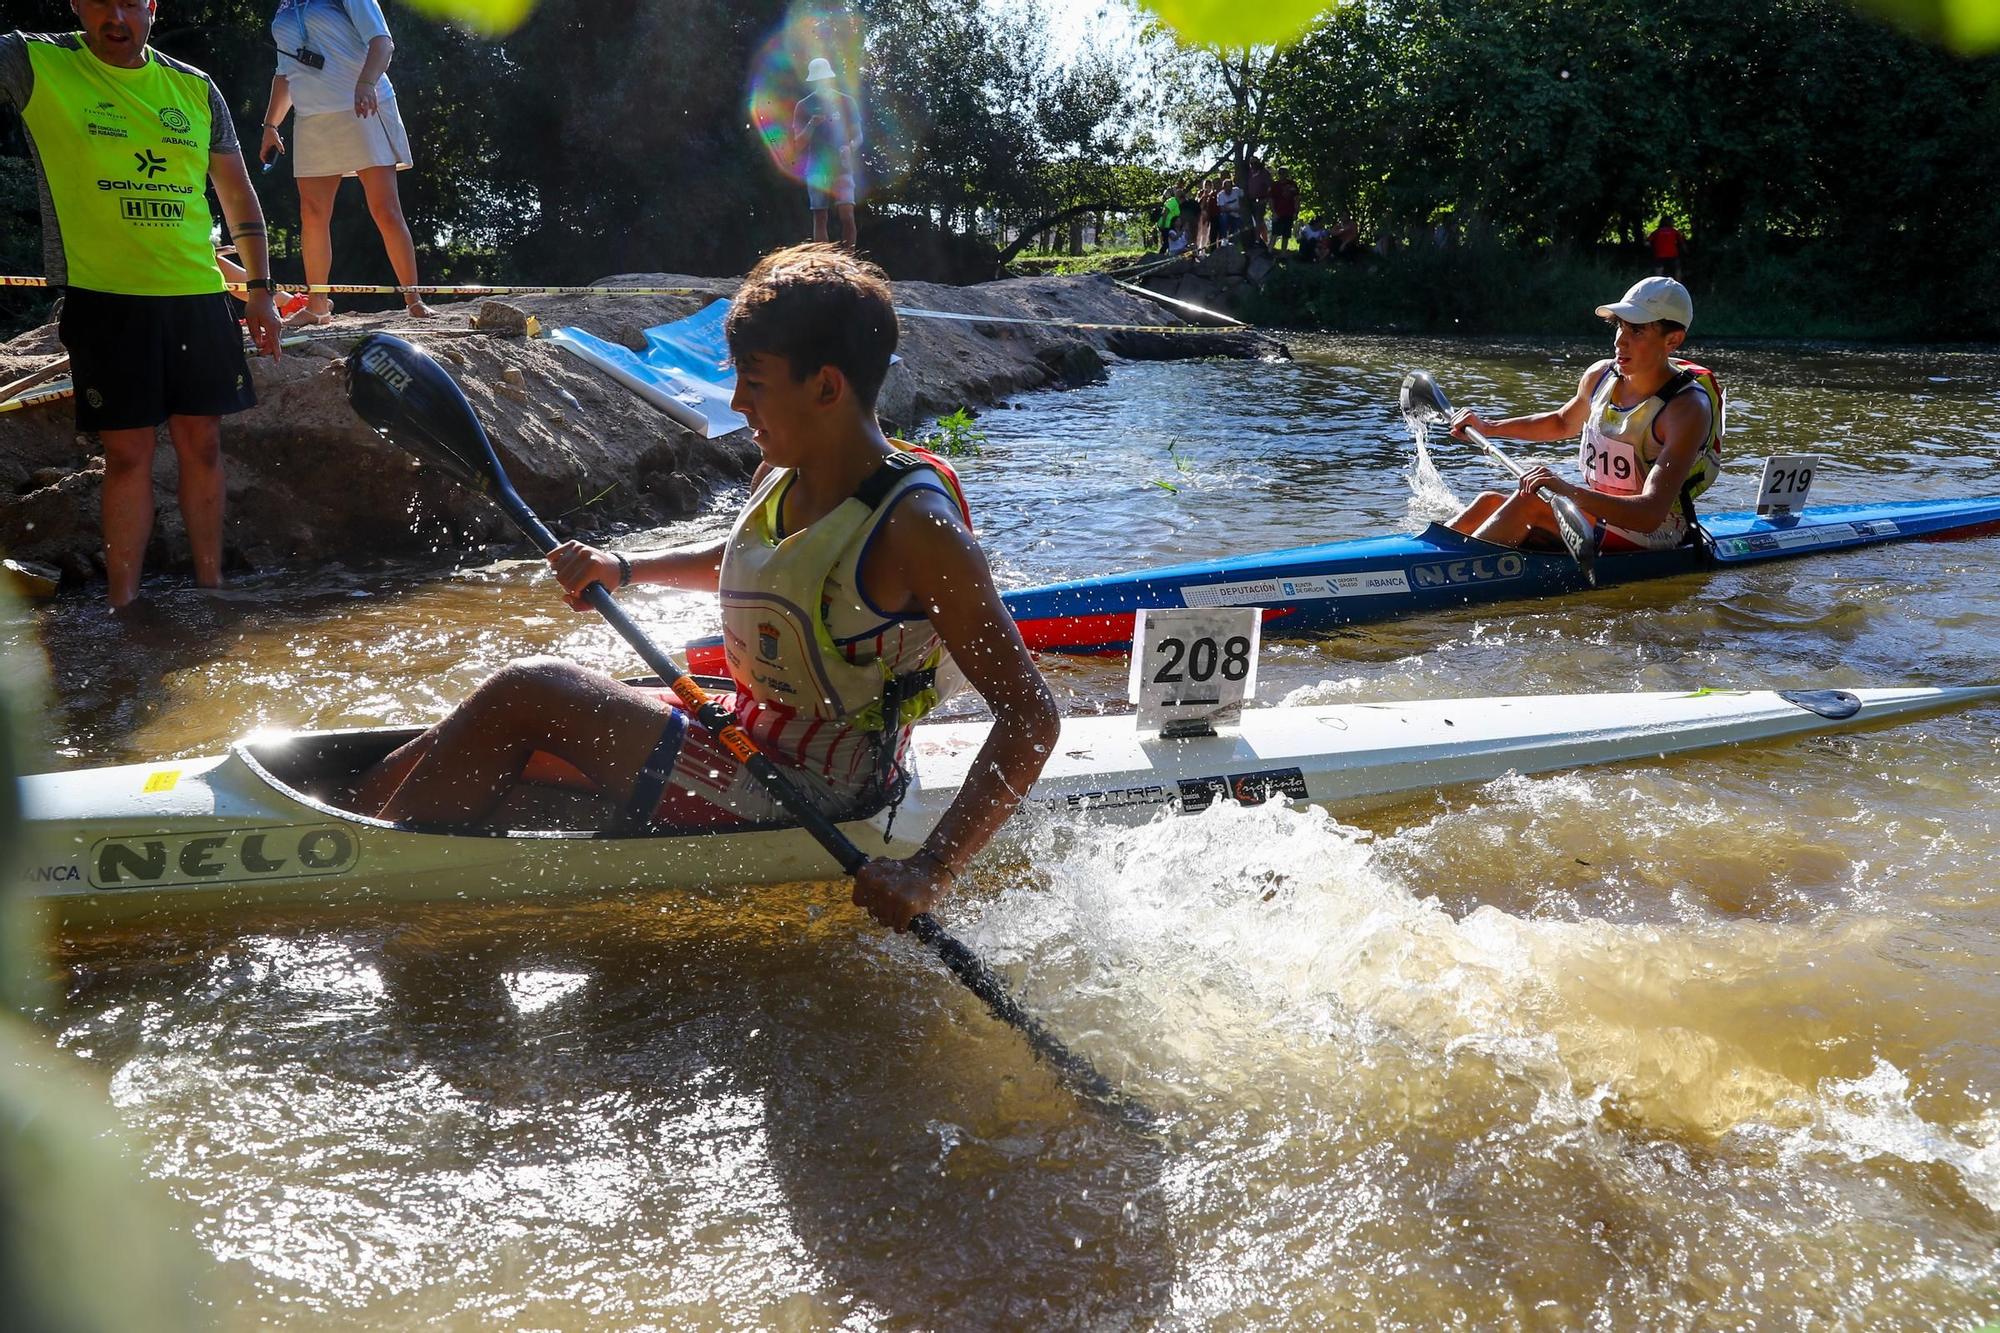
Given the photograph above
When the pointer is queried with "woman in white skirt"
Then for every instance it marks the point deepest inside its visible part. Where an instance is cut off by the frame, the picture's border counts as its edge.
(332, 61)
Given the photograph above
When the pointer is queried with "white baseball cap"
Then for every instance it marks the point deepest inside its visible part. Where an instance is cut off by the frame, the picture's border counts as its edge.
(819, 70)
(1651, 299)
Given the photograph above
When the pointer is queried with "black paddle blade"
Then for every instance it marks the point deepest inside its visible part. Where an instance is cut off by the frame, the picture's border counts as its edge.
(1422, 399)
(406, 396)
(1580, 534)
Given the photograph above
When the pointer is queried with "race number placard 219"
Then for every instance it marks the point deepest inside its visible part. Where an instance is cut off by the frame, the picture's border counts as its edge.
(1787, 480)
(1192, 669)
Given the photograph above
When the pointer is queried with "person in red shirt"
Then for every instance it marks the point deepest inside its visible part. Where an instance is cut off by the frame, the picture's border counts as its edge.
(1667, 243)
(1284, 208)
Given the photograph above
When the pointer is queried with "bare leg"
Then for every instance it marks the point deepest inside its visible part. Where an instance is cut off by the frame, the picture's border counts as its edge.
(1476, 513)
(465, 765)
(849, 232)
(1519, 517)
(127, 504)
(316, 196)
(198, 446)
(386, 206)
(381, 781)
(819, 224)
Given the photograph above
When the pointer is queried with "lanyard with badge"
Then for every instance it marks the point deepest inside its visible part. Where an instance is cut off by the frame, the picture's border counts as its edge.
(304, 54)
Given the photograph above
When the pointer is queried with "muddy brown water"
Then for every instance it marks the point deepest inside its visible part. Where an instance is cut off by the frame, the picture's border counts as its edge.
(1706, 1042)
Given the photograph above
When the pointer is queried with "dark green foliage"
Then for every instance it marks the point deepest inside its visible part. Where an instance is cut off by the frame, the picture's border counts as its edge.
(611, 136)
(1802, 145)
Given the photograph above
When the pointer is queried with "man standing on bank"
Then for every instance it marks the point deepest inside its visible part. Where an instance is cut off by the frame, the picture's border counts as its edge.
(1649, 431)
(123, 140)
(333, 61)
(826, 143)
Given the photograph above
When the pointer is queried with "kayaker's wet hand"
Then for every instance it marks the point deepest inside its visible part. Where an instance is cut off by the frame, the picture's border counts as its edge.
(895, 891)
(1465, 419)
(578, 566)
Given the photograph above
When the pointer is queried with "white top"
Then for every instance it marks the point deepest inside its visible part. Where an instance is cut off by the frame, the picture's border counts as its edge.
(340, 30)
(1230, 200)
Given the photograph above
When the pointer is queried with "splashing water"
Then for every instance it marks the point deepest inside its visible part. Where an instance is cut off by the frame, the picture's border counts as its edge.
(1431, 497)
(1261, 950)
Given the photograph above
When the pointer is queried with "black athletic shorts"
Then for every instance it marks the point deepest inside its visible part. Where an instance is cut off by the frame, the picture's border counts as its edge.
(137, 360)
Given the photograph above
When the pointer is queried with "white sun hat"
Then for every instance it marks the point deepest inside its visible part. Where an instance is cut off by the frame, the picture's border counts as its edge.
(1651, 299)
(820, 70)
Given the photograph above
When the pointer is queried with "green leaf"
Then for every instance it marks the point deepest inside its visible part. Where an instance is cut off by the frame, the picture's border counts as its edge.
(1969, 27)
(1237, 22)
(495, 18)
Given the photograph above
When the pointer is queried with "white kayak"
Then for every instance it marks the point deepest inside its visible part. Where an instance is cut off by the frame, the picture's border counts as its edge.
(256, 827)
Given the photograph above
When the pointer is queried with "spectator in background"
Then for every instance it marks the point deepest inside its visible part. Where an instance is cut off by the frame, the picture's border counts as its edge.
(1168, 222)
(333, 61)
(1312, 241)
(1284, 208)
(150, 335)
(1667, 244)
(1210, 216)
(1228, 209)
(1257, 198)
(826, 145)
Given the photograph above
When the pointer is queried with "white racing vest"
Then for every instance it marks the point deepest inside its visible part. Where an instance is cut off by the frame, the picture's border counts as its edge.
(1619, 446)
(816, 661)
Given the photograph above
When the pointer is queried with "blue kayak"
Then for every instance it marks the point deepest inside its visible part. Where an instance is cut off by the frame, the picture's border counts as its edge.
(1309, 590)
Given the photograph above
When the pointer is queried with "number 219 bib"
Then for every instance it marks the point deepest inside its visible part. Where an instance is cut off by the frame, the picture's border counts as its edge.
(1609, 465)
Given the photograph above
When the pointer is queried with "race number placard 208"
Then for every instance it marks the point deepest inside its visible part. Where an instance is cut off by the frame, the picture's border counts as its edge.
(1192, 669)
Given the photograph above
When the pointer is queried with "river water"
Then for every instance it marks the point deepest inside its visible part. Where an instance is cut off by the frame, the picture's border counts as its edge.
(1697, 1043)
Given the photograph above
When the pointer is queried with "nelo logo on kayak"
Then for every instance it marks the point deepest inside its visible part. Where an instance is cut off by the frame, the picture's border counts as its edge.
(223, 856)
(1481, 569)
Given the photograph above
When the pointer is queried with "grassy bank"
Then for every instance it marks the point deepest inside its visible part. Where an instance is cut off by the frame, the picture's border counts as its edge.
(1806, 294)
(1094, 261)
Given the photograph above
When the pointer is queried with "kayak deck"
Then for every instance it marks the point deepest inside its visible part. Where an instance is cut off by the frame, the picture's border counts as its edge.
(258, 826)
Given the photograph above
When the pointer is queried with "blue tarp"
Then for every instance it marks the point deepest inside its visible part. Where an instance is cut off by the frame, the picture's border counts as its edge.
(685, 370)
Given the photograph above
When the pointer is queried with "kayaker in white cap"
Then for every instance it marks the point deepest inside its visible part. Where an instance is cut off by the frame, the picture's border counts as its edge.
(1649, 430)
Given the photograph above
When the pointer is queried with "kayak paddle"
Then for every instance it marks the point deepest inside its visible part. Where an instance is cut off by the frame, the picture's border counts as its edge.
(1423, 400)
(409, 398)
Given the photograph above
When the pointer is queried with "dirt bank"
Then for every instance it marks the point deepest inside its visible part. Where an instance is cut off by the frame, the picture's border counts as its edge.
(308, 482)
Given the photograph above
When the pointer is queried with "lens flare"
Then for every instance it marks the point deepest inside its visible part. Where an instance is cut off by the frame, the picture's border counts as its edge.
(806, 98)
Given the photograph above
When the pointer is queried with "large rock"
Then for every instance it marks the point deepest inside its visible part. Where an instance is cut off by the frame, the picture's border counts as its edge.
(309, 482)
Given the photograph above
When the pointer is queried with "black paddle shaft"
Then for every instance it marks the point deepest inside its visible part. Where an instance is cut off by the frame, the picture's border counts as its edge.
(405, 395)
(962, 961)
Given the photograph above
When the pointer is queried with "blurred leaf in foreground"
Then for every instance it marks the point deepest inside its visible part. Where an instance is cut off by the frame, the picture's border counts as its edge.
(1969, 27)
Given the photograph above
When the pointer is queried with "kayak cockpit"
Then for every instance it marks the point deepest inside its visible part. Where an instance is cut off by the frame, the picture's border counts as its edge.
(322, 769)
(322, 766)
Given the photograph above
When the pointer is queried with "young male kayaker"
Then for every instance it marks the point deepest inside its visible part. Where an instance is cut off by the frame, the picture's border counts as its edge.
(847, 575)
(125, 141)
(1649, 430)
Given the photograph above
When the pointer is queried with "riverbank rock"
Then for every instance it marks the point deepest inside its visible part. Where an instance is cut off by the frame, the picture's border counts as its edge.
(309, 482)
(1220, 279)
